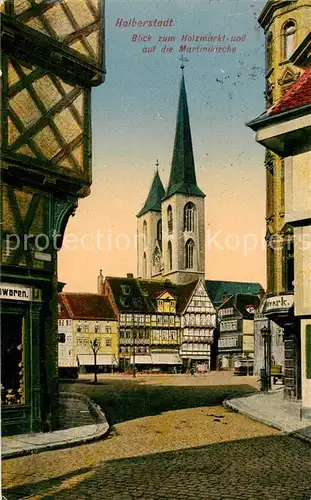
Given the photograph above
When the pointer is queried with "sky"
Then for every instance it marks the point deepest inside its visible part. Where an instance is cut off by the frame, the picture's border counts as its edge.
(133, 125)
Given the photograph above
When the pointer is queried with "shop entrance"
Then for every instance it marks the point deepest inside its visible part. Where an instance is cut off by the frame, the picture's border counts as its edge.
(12, 366)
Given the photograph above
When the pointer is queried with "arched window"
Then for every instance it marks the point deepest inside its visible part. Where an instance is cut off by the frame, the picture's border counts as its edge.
(189, 212)
(156, 261)
(170, 219)
(145, 264)
(159, 231)
(189, 254)
(145, 233)
(289, 35)
(170, 256)
(269, 51)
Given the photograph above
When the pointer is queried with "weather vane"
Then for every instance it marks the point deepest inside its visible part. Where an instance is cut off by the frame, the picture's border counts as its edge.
(183, 60)
(157, 163)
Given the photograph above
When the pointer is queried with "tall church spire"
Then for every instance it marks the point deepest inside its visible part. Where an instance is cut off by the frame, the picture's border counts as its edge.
(182, 177)
(156, 193)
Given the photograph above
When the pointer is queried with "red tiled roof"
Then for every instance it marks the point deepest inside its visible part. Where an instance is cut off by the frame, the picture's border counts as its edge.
(297, 96)
(86, 306)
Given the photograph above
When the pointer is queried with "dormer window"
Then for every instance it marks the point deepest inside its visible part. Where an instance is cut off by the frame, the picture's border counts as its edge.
(289, 35)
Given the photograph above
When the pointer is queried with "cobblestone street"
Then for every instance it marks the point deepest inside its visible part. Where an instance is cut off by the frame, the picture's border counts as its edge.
(170, 439)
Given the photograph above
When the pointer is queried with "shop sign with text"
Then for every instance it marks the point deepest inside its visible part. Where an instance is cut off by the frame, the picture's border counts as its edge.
(278, 303)
(15, 292)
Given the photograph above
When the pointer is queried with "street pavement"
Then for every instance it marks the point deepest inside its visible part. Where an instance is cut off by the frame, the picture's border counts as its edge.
(170, 439)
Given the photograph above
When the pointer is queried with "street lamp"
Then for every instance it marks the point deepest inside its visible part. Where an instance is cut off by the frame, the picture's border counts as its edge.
(95, 346)
(266, 373)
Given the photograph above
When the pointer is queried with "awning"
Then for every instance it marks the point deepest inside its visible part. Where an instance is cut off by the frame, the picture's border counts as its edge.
(141, 359)
(101, 359)
(164, 358)
(204, 357)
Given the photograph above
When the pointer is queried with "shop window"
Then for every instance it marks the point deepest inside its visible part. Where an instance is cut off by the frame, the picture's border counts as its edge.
(12, 359)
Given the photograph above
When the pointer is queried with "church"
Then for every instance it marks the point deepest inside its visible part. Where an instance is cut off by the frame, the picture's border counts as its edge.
(171, 224)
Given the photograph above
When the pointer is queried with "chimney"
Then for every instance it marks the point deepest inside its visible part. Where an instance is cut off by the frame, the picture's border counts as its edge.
(100, 283)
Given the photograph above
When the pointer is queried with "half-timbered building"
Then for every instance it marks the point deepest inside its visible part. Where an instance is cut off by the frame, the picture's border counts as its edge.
(52, 54)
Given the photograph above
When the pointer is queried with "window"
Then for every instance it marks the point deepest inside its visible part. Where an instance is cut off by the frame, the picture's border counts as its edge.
(282, 184)
(159, 231)
(170, 219)
(189, 254)
(189, 212)
(108, 329)
(68, 322)
(170, 256)
(269, 163)
(61, 338)
(145, 234)
(289, 34)
(108, 342)
(288, 262)
(157, 260)
(269, 51)
(97, 329)
(145, 265)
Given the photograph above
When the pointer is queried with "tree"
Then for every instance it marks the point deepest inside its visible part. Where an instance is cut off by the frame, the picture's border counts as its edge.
(95, 346)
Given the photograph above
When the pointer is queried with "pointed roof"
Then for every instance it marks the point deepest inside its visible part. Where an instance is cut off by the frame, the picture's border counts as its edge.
(156, 193)
(182, 177)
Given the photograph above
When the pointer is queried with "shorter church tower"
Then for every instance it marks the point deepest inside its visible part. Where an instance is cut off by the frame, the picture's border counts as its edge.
(183, 211)
(149, 232)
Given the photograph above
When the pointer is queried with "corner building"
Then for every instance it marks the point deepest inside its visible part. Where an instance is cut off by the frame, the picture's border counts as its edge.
(287, 31)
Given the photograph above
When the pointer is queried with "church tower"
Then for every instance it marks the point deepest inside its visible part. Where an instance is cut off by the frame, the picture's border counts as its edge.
(183, 224)
(149, 232)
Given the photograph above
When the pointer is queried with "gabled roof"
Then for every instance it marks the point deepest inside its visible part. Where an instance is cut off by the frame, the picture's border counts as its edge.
(219, 289)
(86, 306)
(140, 296)
(297, 96)
(240, 302)
(151, 289)
(182, 177)
(156, 193)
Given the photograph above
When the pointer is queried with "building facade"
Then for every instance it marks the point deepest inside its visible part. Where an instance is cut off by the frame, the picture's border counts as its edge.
(236, 330)
(51, 58)
(171, 224)
(162, 326)
(286, 129)
(289, 53)
(84, 318)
